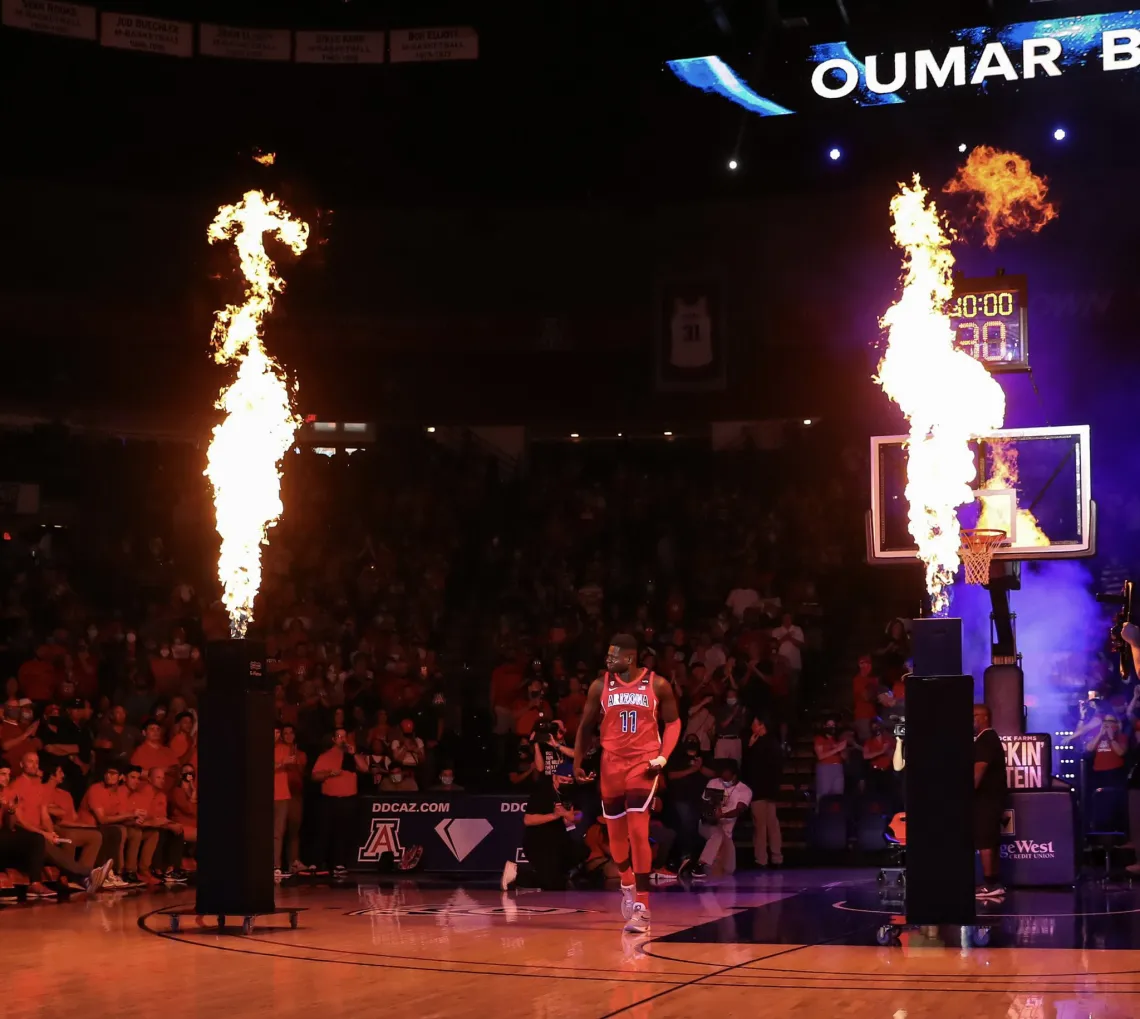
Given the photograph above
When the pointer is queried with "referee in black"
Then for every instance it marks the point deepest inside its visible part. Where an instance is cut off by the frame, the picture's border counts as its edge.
(989, 800)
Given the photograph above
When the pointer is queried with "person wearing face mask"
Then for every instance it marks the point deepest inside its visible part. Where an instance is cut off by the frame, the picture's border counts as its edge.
(407, 749)
(687, 773)
(399, 780)
(731, 721)
(725, 799)
(446, 783)
(18, 731)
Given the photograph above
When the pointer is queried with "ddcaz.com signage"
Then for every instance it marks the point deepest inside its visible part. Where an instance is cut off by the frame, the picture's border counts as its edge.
(459, 832)
(969, 60)
(1028, 760)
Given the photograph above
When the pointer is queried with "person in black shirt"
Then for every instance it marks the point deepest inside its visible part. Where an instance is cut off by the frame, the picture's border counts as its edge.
(687, 773)
(763, 770)
(989, 798)
(550, 851)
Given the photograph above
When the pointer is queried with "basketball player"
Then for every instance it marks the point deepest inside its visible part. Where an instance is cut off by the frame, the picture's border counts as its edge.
(625, 704)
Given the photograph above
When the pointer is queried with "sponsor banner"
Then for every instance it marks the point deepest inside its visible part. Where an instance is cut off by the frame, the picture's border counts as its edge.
(73, 20)
(408, 45)
(1028, 760)
(245, 43)
(458, 832)
(1037, 839)
(147, 35)
(691, 353)
(339, 48)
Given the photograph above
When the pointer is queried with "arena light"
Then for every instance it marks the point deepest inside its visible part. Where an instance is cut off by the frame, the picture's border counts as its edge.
(668, 435)
(733, 164)
(575, 435)
(807, 421)
(962, 147)
(1059, 135)
(835, 155)
(431, 429)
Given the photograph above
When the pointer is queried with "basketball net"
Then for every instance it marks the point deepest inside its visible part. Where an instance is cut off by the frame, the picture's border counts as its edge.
(978, 547)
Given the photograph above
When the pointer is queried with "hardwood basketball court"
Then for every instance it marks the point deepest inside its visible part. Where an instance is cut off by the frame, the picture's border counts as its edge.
(781, 944)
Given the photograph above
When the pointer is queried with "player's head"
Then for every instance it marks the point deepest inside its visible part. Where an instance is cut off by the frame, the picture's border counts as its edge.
(622, 653)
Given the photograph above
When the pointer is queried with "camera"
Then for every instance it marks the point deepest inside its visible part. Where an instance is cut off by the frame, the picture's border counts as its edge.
(1116, 641)
(898, 725)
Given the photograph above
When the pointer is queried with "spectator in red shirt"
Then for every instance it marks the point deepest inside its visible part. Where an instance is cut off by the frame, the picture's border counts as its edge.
(878, 752)
(335, 769)
(28, 793)
(167, 864)
(830, 753)
(288, 771)
(183, 803)
(105, 806)
(65, 820)
(20, 848)
(140, 851)
(18, 731)
(152, 753)
(184, 738)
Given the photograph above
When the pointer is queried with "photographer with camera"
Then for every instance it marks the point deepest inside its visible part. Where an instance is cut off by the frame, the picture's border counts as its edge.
(725, 799)
(549, 749)
(551, 850)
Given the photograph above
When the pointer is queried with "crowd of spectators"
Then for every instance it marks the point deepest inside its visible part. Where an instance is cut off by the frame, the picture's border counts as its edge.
(427, 621)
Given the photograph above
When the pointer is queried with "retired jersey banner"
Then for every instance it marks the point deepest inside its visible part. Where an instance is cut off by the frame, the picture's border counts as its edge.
(147, 35)
(339, 48)
(73, 20)
(691, 352)
(245, 43)
(458, 832)
(424, 44)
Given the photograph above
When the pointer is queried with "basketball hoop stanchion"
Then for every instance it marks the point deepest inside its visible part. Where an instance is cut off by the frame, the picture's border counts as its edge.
(978, 547)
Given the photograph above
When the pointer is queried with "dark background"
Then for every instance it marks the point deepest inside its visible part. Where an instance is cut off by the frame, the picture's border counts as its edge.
(490, 235)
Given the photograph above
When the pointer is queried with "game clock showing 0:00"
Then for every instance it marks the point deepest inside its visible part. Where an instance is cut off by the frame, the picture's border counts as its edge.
(990, 322)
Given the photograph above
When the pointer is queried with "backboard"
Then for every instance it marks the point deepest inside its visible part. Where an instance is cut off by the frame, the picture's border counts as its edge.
(1032, 483)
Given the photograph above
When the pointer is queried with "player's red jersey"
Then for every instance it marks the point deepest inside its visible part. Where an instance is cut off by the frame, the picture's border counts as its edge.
(629, 717)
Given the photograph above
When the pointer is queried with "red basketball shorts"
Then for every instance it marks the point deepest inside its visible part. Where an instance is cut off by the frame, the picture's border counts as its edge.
(626, 785)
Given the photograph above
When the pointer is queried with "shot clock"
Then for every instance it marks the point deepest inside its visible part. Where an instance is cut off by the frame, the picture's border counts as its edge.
(990, 321)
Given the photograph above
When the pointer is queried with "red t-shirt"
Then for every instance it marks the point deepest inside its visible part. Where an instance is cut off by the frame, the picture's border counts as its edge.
(182, 809)
(340, 785)
(113, 803)
(60, 797)
(147, 756)
(28, 794)
(1104, 759)
(833, 754)
(282, 789)
(864, 686)
(147, 798)
(881, 751)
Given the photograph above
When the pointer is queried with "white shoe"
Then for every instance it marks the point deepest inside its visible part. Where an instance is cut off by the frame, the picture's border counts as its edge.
(638, 922)
(113, 882)
(339, 872)
(96, 878)
(277, 875)
(510, 875)
(628, 900)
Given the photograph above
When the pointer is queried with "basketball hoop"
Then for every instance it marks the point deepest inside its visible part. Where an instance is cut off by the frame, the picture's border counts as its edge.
(978, 547)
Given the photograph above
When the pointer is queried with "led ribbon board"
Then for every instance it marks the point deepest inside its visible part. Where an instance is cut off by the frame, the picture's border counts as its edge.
(970, 58)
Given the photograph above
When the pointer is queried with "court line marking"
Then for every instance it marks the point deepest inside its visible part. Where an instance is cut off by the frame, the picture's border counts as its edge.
(168, 936)
(843, 907)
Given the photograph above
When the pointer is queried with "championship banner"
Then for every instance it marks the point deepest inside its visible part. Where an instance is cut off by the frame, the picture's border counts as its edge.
(691, 352)
(147, 35)
(1028, 760)
(459, 832)
(339, 48)
(409, 45)
(72, 20)
(245, 43)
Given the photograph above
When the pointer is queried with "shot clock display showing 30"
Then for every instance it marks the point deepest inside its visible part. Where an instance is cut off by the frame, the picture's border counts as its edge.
(990, 321)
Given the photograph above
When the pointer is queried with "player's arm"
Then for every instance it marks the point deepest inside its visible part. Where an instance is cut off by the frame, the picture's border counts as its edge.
(667, 702)
(591, 716)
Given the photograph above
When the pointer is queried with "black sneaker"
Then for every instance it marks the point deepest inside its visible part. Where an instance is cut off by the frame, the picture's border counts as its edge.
(699, 873)
(131, 878)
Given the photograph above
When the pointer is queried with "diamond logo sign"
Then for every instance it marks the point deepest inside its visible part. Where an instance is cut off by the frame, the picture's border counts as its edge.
(462, 834)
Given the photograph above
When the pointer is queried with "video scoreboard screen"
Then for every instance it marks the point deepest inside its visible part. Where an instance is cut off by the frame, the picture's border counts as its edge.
(990, 321)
